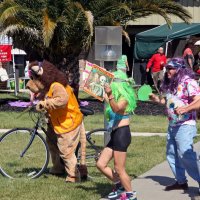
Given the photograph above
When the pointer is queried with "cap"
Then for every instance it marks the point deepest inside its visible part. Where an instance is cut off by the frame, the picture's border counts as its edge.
(176, 63)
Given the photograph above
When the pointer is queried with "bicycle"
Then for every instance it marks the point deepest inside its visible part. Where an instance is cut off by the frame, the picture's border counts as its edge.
(27, 153)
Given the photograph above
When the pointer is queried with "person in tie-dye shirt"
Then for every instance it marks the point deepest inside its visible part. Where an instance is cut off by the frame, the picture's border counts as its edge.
(180, 89)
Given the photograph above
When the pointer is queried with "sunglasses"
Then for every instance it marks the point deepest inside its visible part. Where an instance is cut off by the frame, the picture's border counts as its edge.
(170, 68)
(32, 74)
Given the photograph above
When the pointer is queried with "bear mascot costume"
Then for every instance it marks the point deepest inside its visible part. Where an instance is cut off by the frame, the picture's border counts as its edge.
(65, 121)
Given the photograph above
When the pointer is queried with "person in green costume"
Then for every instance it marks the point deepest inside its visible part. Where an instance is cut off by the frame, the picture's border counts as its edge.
(122, 64)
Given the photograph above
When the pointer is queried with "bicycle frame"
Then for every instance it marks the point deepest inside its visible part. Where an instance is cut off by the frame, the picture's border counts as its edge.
(35, 130)
(88, 138)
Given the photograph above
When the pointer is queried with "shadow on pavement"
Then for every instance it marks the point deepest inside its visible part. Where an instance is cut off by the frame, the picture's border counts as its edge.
(162, 180)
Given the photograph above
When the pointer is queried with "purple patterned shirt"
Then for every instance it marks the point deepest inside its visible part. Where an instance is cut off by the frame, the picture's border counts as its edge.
(186, 90)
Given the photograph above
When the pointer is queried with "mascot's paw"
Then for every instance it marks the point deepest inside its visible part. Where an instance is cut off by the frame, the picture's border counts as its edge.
(83, 172)
(40, 106)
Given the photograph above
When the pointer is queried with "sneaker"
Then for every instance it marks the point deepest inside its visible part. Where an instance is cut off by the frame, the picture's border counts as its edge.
(116, 192)
(129, 197)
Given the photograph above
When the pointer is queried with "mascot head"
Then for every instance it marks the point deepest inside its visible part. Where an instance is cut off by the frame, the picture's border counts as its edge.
(42, 75)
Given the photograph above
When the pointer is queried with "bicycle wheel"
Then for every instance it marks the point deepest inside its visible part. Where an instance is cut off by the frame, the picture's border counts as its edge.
(95, 144)
(32, 164)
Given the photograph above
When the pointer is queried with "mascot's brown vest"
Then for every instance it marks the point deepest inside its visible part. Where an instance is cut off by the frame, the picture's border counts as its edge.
(68, 118)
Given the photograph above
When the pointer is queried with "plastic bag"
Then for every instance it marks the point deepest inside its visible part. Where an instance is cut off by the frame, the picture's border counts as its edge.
(3, 75)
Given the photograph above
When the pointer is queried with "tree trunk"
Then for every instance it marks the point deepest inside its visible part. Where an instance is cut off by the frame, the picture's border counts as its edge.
(70, 67)
(73, 71)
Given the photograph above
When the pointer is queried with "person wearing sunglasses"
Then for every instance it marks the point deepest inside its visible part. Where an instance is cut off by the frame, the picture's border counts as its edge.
(180, 88)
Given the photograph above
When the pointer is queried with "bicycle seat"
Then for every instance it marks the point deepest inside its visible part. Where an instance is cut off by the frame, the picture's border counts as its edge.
(86, 111)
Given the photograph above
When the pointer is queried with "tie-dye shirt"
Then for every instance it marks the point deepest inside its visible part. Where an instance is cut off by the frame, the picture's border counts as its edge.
(186, 90)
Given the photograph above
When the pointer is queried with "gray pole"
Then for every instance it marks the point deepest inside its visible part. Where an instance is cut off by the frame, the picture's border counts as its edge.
(14, 72)
(133, 68)
(166, 48)
(106, 134)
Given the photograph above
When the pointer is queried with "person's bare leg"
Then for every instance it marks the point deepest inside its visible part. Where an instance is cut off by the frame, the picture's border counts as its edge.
(102, 164)
(119, 162)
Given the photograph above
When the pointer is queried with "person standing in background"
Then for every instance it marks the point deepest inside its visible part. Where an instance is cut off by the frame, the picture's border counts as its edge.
(196, 67)
(157, 62)
(26, 75)
(122, 64)
(188, 54)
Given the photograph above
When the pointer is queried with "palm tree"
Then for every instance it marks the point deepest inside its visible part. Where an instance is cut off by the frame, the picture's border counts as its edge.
(58, 29)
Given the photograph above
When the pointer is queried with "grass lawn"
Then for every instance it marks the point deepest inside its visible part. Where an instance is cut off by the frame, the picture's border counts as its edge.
(8, 95)
(48, 187)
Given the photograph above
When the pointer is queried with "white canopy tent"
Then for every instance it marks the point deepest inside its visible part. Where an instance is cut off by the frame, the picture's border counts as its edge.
(197, 43)
(18, 52)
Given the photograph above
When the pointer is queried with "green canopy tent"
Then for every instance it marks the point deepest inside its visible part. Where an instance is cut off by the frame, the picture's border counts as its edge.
(147, 42)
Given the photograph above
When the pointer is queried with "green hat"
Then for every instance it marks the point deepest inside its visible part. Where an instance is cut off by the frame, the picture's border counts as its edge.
(121, 62)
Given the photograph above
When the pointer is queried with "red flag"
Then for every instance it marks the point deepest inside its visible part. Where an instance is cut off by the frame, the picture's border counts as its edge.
(5, 53)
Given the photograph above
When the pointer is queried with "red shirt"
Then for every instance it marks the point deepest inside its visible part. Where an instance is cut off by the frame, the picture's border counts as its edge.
(157, 61)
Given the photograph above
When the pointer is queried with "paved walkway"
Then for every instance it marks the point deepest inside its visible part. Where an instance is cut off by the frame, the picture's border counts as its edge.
(150, 186)
(132, 134)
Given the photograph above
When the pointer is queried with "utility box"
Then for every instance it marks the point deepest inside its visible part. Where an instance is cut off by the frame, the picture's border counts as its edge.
(108, 43)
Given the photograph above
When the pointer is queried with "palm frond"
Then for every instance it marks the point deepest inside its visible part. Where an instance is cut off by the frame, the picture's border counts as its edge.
(106, 12)
(8, 10)
(67, 27)
(15, 29)
(173, 8)
(164, 8)
(48, 29)
(90, 19)
(128, 40)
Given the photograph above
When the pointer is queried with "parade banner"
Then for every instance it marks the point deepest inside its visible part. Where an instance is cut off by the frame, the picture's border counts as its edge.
(94, 83)
(5, 53)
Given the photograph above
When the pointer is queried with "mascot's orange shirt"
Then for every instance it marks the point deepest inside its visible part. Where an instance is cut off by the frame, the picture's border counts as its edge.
(68, 118)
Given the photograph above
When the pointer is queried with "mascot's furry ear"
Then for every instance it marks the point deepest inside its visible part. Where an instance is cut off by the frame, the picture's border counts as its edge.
(37, 70)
